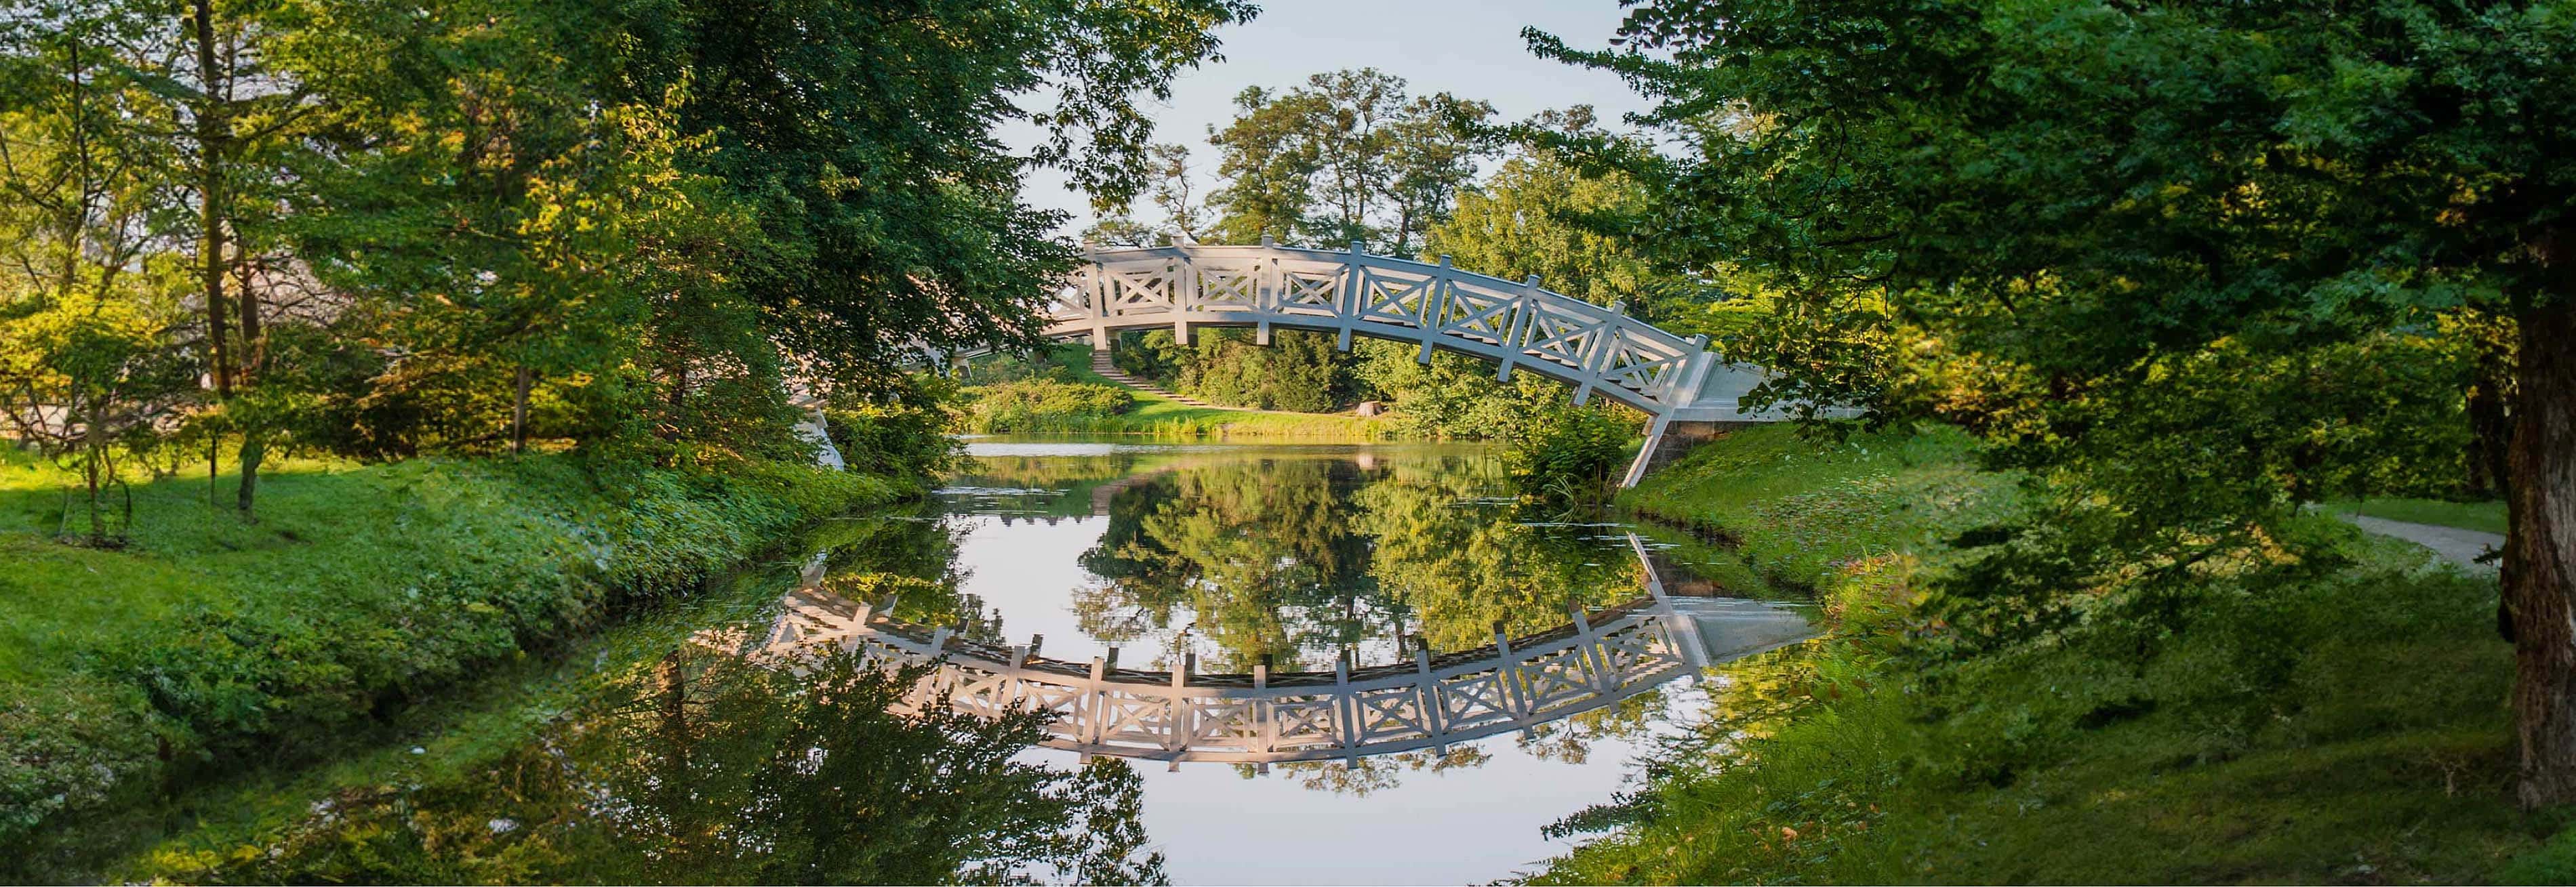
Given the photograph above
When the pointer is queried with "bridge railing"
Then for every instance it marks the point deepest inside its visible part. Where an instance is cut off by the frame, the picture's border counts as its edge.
(1597, 659)
(1349, 291)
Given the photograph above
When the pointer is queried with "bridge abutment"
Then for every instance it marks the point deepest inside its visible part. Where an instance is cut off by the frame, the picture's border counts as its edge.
(1677, 438)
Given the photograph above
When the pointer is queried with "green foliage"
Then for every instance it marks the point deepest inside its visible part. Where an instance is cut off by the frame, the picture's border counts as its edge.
(459, 227)
(2260, 737)
(860, 136)
(360, 590)
(2190, 266)
(69, 745)
(1348, 157)
(1572, 456)
(1537, 215)
(1038, 404)
(702, 767)
(893, 440)
(1299, 371)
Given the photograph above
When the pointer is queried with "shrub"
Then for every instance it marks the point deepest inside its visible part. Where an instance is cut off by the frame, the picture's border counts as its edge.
(1035, 404)
(1573, 456)
(896, 441)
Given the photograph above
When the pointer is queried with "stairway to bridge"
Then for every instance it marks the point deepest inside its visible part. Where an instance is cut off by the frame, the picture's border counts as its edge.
(1108, 369)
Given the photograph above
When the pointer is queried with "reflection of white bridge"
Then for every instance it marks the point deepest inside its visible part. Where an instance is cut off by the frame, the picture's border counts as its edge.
(1512, 325)
(1595, 660)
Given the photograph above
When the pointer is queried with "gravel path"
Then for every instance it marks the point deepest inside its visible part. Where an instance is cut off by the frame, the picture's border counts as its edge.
(2450, 543)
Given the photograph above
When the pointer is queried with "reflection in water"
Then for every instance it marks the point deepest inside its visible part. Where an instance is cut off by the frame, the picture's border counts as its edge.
(703, 767)
(677, 759)
(1230, 560)
(1297, 554)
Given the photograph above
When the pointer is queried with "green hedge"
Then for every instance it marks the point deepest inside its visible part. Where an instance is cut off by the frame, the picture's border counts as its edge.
(1039, 405)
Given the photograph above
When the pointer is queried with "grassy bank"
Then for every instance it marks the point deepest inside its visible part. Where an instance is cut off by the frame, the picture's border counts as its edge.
(2349, 729)
(1163, 418)
(226, 832)
(209, 644)
(1147, 414)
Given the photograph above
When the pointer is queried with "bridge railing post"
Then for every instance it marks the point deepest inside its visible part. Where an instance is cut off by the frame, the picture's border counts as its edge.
(1349, 302)
(1433, 312)
(1435, 711)
(1593, 661)
(1681, 384)
(1265, 712)
(1177, 711)
(1516, 333)
(1267, 289)
(1507, 668)
(1347, 731)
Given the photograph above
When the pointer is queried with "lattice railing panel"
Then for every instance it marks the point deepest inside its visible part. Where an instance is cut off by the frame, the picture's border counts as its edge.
(1516, 324)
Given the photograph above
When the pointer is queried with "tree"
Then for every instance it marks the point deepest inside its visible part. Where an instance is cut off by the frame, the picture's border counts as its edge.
(702, 768)
(860, 136)
(1268, 161)
(1348, 157)
(1539, 215)
(87, 295)
(2086, 200)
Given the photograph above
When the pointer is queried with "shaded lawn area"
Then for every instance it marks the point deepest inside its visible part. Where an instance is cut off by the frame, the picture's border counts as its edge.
(2484, 517)
(2346, 729)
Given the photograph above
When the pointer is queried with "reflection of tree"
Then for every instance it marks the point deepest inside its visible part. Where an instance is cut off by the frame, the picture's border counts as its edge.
(704, 768)
(1258, 552)
(1570, 739)
(1375, 773)
(912, 558)
(1296, 556)
(1460, 565)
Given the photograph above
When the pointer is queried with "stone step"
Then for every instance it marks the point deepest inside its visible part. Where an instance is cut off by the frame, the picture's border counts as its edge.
(1100, 363)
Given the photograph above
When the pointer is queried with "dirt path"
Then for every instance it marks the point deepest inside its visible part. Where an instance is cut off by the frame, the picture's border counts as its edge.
(2450, 543)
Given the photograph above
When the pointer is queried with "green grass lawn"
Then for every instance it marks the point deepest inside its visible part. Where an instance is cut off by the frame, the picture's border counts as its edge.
(1783, 516)
(2484, 517)
(208, 641)
(1154, 415)
(2347, 729)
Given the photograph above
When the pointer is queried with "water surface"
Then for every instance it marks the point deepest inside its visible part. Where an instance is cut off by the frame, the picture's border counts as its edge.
(1303, 555)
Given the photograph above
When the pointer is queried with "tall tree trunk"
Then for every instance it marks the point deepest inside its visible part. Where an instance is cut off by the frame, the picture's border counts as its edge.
(253, 450)
(2540, 552)
(254, 334)
(94, 439)
(519, 412)
(2490, 393)
(210, 170)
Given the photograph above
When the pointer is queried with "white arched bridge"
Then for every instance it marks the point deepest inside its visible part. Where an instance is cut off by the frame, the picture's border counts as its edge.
(1516, 326)
(1596, 659)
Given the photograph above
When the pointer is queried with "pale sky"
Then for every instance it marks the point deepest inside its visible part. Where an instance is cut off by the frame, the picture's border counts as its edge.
(1471, 49)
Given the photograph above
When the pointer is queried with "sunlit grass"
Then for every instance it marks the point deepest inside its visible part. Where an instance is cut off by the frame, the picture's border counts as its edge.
(357, 591)
(1159, 417)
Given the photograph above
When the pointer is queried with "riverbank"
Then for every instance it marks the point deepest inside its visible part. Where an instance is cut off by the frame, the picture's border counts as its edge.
(208, 645)
(2349, 728)
(1081, 410)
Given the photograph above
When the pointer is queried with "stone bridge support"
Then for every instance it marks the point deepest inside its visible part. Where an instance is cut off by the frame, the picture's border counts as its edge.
(1677, 439)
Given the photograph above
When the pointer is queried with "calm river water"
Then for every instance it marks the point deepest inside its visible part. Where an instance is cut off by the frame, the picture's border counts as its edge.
(662, 751)
(1231, 552)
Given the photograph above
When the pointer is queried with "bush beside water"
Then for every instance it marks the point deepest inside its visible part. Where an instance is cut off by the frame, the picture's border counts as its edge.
(1039, 404)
